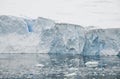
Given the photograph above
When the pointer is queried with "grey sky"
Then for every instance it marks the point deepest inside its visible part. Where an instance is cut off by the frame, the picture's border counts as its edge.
(99, 13)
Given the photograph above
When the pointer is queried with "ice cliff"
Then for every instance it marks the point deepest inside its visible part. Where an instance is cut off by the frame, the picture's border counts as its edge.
(41, 35)
(68, 38)
(102, 42)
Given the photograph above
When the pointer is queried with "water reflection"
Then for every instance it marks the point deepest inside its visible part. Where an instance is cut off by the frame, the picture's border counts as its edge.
(58, 66)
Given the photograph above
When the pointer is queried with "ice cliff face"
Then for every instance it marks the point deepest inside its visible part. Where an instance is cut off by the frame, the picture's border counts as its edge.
(41, 35)
(10, 24)
(68, 38)
(102, 42)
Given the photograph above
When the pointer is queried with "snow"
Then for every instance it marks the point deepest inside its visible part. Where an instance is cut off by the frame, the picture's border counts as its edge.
(41, 35)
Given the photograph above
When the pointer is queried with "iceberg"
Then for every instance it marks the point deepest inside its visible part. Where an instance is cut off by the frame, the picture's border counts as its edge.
(41, 35)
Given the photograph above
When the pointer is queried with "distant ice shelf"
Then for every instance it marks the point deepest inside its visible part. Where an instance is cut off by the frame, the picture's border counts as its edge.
(41, 35)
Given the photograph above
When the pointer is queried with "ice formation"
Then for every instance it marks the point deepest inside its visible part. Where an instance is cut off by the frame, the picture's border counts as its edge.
(41, 35)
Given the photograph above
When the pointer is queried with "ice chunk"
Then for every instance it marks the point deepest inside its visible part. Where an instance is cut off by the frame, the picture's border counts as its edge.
(39, 65)
(70, 74)
(91, 64)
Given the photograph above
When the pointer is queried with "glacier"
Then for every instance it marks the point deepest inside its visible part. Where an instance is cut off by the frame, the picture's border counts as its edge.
(41, 35)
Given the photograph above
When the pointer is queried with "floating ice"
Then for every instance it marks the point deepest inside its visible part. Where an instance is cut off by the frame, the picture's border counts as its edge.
(92, 64)
(70, 74)
(39, 65)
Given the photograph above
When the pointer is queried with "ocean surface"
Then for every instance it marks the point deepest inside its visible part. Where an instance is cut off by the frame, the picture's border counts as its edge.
(58, 66)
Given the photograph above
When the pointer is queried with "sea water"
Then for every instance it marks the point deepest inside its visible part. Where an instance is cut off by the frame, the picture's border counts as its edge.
(58, 66)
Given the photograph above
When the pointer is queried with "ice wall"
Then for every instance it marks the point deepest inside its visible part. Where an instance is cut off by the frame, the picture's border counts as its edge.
(102, 42)
(69, 38)
(11, 24)
(41, 35)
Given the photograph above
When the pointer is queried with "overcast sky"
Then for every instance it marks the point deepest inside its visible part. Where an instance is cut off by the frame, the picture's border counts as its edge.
(99, 13)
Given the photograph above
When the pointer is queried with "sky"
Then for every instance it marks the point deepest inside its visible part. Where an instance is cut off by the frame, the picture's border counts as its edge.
(98, 13)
